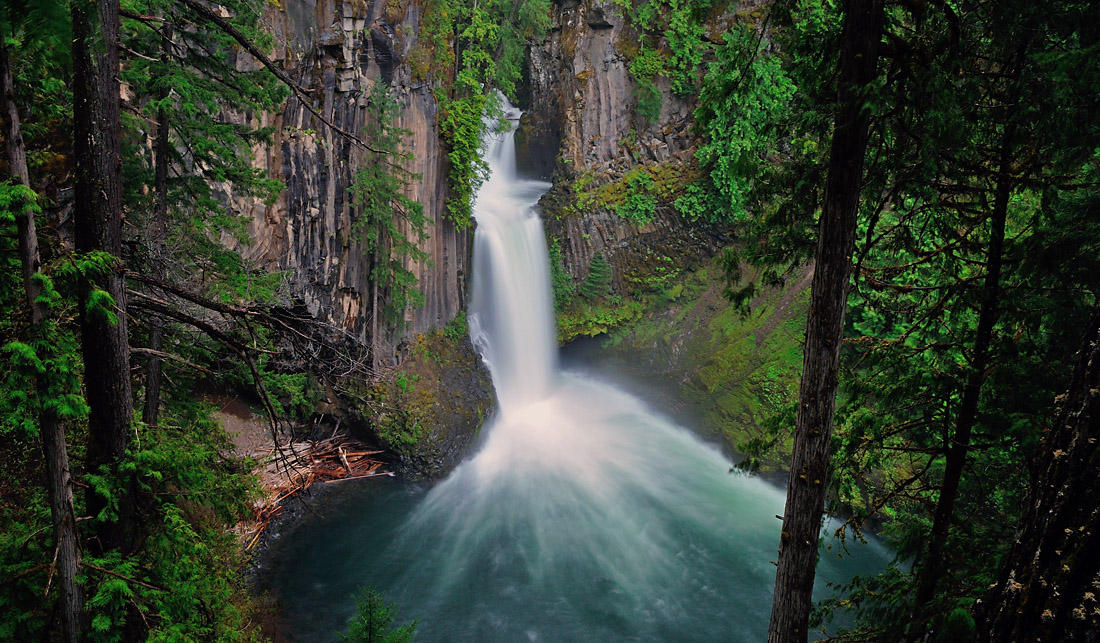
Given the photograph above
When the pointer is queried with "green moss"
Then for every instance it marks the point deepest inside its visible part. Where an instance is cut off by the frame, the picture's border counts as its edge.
(590, 321)
(429, 409)
(741, 373)
(561, 281)
(636, 195)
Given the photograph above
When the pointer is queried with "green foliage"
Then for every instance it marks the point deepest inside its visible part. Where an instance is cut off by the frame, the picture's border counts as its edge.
(597, 319)
(192, 83)
(24, 613)
(636, 195)
(461, 128)
(291, 394)
(677, 24)
(953, 140)
(644, 69)
(646, 64)
(390, 223)
(648, 99)
(178, 579)
(373, 621)
(639, 206)
(492, 38)
(397, 420)
(177, 582)
(561, 281)
(457, 329)
(741, 109)
(597, 284)
(663, 271)
(42, 365)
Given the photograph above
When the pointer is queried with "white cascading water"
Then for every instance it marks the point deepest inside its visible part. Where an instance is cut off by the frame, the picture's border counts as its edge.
(583, 516)
(511, 314)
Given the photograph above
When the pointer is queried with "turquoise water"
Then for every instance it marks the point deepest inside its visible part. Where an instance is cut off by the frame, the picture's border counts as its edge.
(584, 517)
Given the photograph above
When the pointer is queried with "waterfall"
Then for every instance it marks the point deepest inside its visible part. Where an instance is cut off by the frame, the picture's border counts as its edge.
(511, 311)
(582, 516)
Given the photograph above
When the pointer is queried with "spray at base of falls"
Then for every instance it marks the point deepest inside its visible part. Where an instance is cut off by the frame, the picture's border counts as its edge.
(583, 516)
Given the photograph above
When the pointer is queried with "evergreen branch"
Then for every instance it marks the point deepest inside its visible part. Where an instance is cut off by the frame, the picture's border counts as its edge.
(225, 309)
(25, 572)
(133, 15)
(157, 306)
(243, 350)
(125, 578)
(294, 87)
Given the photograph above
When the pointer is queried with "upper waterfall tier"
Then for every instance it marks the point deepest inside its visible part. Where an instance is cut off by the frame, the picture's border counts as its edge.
(512, 316)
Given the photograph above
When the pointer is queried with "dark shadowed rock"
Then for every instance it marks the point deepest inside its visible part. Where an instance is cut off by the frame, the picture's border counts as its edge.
(597, 18)
(385, 53)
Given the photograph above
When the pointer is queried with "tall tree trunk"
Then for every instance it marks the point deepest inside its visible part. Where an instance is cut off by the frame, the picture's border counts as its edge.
(934, 561)
(54, 446)
(817, 394)
(151, 411)
(1048, 590)
(98, 224)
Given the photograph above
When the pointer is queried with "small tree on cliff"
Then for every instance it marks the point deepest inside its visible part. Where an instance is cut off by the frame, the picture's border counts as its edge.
(597, 283)
(391, 224)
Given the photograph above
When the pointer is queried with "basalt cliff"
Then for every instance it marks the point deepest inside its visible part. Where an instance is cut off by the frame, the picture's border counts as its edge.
(582, 129)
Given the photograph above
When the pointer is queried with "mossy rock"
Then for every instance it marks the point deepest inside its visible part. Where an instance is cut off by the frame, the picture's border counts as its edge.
(738, 372)
(433, 405)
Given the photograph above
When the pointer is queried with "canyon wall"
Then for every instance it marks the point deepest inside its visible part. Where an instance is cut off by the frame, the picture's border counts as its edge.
(581, 121)
(337, 50)
(583, 125)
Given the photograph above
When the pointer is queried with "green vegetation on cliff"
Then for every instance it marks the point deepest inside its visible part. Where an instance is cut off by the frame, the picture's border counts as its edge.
(738, 373)
(490, 39)
(390, 224)
(429, 409)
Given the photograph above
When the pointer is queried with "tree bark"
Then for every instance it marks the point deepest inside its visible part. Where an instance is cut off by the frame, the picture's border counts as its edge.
(817, 394)
(54, 446)
(97, 215)
(151, 412)
(1049, 582)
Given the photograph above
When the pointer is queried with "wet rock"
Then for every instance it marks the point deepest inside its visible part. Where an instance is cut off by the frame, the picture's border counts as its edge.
(580, 79)
(435, 405)
(597, 18)
(385, 53)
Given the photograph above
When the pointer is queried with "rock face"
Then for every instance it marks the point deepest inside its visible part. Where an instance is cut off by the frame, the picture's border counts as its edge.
(432, 411)
(583, 115)
(337, 50)
(580, 82)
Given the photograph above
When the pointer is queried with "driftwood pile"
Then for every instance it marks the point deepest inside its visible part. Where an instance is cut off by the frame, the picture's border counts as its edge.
(295, 466)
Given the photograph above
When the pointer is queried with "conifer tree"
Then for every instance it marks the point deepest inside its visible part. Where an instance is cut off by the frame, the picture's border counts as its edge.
(42, 21)
(597, 283)
(1047, 589)
(98, 224)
